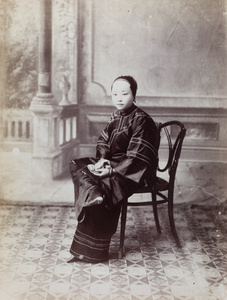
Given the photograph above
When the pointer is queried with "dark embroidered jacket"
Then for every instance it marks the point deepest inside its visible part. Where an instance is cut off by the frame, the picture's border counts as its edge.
(129, 142)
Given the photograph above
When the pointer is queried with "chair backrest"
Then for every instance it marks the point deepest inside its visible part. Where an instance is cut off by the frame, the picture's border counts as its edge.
(174, 133)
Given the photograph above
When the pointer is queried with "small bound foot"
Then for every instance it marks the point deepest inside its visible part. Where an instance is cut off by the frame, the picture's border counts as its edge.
(72, 259)
(98, 200)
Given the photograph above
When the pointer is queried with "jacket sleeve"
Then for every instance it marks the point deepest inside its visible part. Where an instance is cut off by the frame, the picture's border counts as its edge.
(142, 150)
(103, 148)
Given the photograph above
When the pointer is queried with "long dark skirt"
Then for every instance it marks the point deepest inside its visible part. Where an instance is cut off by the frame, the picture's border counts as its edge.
(96, 223)
(93, 235)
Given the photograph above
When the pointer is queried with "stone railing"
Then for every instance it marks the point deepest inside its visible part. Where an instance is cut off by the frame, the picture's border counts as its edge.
(67, 127)
(17, 130)
(68, 138)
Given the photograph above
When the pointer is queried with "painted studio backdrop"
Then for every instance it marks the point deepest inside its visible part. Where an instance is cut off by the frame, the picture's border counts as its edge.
(60, 58)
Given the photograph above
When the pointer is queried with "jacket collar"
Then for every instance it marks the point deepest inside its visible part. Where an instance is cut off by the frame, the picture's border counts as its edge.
(128, 111)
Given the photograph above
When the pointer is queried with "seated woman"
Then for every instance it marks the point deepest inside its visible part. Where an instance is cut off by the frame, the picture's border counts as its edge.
(126, 152)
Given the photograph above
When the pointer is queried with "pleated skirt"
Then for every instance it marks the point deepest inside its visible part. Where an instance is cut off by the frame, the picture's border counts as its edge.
(96, 223)
(93, 235)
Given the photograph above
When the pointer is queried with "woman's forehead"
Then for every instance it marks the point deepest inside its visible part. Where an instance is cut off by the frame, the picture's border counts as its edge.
(121, 84)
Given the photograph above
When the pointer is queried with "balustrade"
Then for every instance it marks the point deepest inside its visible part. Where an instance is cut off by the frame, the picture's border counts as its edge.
(67, 130)
(17, 128)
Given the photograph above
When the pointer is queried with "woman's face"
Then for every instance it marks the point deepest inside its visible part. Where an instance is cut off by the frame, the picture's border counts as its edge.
(122, 96)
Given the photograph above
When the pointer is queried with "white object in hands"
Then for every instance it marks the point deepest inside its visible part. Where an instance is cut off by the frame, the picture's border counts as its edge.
(102, 164)
(99, 166)
(92, 169)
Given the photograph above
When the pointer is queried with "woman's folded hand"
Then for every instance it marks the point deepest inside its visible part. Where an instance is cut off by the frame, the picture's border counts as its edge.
(102, 164)
(104, 172)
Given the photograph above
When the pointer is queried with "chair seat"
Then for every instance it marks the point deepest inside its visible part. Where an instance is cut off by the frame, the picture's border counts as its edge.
(161, 185)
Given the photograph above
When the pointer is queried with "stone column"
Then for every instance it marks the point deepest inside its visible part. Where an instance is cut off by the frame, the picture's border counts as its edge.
(46, 159)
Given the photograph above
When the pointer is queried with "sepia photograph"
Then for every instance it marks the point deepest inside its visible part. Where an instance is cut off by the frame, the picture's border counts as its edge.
(113, 149)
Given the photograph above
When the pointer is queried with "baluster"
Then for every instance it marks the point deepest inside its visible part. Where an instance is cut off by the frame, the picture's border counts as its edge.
(13, 129)
(74, 127)
(20, 129)
(68, 130)
(6, 129)
(61, 132)
(27, 130)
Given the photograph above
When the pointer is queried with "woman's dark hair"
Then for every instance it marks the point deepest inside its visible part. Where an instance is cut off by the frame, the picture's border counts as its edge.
(131, 81)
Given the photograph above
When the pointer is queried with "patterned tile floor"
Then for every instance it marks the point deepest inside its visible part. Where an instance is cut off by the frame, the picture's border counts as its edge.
(35, 241)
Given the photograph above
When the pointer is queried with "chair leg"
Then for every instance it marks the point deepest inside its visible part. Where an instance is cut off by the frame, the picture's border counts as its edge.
(155, 212)
(172, 222)
(123, 223)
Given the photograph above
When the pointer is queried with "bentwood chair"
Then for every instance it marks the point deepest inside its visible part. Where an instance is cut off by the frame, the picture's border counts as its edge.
(172, 134)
